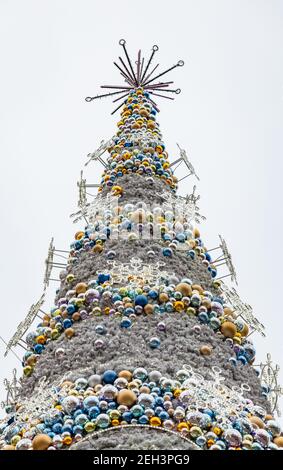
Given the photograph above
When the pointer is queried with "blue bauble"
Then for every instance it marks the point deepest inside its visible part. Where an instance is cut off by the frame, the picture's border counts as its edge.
(125, 323)
(243, 360)
(38, 348)
(101, 278)
(141, 300)
(109, 376)
(167, 252)
(154, 343)
(143, 419)
(67, 323)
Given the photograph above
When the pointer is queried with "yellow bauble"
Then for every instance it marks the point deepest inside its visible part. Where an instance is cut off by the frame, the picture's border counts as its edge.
(41, 442)
(245, 330)
(126, 397)
(196, 232)
(179, 306)
(191, 311)
(228, 329)
(70, 278)
(182, 425)
(79, 235)
(67, 440)
(97, 248)
(155, 421)
(40, 339)
(27, 370)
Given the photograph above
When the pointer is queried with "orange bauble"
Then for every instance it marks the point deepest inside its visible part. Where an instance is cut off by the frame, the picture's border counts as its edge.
(126, 397)
(163, 297)
(205, 350)
(278, 441)
(228, 329)
(81, 287)
(149, 308)
(197, 288)
(126, 374)
(69, 332)
(184, 288)
(41, 442)
(257, 421)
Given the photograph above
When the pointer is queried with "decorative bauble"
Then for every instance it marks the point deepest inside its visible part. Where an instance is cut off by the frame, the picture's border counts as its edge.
(149, 309)
(257, 421)
(262, 437)
(41, 442)
(155, 376)
(228, 329)
(141, 300)
(196, 232)
(126, 397)
(185, 289)
(99, 343)
(81, 287)
(163, 297)
(102, 421)
(198, 288)
(109, 377)
(69, 332)
(108, 392)
(205, 350)
(245, 330)
(70, 403)
(233, 437)
(126, 374)
(154, 342)
(278, 441)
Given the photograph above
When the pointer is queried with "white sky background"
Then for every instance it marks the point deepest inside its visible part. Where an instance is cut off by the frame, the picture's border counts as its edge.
(228, 118)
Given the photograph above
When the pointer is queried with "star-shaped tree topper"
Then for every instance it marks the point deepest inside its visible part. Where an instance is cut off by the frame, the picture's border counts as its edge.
(139, 75)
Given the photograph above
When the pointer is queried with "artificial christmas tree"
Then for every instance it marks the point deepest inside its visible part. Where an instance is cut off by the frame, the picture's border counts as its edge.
(146, 347)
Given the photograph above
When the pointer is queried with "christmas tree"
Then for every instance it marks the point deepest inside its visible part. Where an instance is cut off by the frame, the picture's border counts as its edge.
(146, 346)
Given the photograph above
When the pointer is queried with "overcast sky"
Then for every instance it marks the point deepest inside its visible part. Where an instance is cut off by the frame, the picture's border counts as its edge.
(228, 118)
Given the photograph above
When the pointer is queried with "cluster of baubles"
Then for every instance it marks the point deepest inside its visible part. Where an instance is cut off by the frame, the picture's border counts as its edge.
(132, 222)
(99, 297)
(138, 120)
(139, 397)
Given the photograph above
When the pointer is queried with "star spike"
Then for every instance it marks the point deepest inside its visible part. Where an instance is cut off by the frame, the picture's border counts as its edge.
(138, 75)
